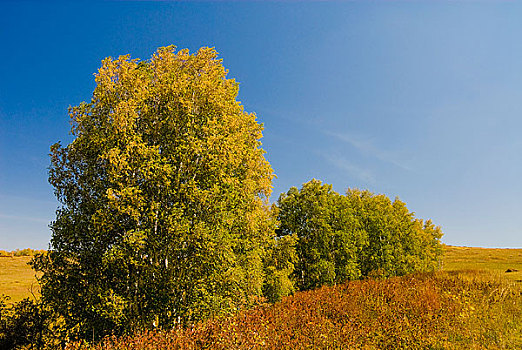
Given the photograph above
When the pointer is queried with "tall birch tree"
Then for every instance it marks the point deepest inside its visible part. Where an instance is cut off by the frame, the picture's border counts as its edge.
(164, 217)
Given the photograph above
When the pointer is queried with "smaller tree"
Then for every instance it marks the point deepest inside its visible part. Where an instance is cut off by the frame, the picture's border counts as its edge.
(342, 238)
(279, 266)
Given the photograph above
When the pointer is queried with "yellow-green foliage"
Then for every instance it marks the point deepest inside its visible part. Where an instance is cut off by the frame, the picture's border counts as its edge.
(17, 279)
(342, 238)
(164, 212)
(438, 310)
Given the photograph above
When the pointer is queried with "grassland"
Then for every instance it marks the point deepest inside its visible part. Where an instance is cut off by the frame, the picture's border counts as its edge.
(472, 304)
(494, 261)
(17, 279)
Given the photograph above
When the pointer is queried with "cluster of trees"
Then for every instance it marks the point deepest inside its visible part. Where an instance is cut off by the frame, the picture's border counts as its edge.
(165, 219)
(360, 234)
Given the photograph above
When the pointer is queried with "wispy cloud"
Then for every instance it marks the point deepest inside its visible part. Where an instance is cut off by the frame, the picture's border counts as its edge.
(366, 146)
(362, 174)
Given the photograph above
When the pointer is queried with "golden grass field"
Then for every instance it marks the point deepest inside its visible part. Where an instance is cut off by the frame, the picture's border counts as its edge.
(495, 261)
(17, 280)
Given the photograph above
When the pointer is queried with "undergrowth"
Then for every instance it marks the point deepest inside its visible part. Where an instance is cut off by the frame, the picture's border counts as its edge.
(441, 310)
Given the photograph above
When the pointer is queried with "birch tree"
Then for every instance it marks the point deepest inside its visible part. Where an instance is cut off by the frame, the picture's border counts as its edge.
(164, 217)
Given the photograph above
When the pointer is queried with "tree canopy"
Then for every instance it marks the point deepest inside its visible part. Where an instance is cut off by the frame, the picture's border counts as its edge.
(164, 216)
(341, 238)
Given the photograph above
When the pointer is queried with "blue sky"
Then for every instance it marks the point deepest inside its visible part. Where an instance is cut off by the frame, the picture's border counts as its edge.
(420, 100)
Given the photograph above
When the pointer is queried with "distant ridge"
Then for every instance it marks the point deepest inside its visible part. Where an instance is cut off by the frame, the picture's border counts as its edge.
(21, 252)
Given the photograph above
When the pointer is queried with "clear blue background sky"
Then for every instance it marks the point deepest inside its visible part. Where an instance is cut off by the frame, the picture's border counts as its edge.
(420, 100)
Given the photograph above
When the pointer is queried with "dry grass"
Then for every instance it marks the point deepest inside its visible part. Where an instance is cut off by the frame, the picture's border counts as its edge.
(495, 261)
(17, 279)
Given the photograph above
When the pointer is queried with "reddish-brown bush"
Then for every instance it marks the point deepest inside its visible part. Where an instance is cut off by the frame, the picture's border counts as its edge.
(421, 311)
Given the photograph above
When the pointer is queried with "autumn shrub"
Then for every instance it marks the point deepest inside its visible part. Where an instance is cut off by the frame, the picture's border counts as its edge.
(420, 311)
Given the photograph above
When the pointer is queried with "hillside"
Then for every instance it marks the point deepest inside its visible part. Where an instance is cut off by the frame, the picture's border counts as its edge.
(17, 279)
(443, 310)
(494, 260)
(472, 304)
